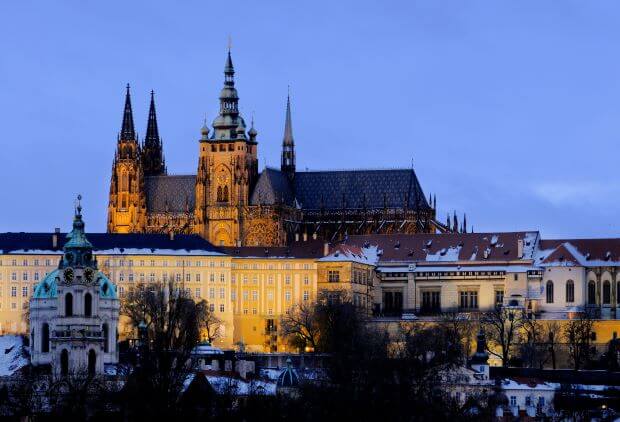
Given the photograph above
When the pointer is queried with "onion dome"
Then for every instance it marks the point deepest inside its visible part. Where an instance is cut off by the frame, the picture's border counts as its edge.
(204, 131)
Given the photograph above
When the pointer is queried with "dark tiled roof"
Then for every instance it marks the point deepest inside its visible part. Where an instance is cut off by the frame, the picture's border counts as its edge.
(308, 249)
(10, 242)
(592, 249)
(328, 189)
(470, 246)
(170, 193)
(272, 186)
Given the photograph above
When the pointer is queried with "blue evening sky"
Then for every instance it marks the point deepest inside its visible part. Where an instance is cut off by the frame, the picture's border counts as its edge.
(510, 110)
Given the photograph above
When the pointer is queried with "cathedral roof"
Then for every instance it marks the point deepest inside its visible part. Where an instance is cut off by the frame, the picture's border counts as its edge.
(170, 193)
(329, 189)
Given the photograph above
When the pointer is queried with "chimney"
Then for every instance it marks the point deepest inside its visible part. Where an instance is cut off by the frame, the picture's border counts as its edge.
(55, 237)
(171, 235)
(296, 237)
(325, 249)
(520, 248)
(305, 237)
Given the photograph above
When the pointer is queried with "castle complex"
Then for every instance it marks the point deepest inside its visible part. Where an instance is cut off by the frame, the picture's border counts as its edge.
(228, 202)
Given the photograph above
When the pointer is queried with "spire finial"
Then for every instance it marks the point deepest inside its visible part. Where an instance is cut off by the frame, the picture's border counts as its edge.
(78, 205)
(229, 43)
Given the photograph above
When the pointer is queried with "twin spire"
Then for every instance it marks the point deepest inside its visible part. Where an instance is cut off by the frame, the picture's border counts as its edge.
(152, 151)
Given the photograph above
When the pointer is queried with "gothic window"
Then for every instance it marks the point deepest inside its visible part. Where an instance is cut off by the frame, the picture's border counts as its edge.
(64, 362)
(92, 362)
(549, 291)
(225, 194)
(606, 292)
(45, 338)
(68, 304)
(106, 336)
(591, 293)
(570, 291)
(88, 305)
(219, 194)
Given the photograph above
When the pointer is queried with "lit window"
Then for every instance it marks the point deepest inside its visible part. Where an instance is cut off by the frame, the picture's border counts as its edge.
(287, 296)
(288, 279)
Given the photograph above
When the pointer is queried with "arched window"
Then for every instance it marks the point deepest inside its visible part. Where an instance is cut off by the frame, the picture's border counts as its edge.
(225, 195)
(64, 362)
(591, 293)
(88, 305)
(570, 291)
(106, 336)
(92, 362)
(219, 194)
(549, 291)
(68, 304)
(606, 292)
(45, 338)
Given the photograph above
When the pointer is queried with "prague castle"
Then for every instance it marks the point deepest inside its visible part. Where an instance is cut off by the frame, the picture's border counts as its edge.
(228, 202)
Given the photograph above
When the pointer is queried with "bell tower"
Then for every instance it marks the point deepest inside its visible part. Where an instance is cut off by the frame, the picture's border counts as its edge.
(127, 205)
(227, 169)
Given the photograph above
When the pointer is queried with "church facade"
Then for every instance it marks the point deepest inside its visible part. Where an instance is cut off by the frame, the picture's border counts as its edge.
(229, 203)
(74, 312)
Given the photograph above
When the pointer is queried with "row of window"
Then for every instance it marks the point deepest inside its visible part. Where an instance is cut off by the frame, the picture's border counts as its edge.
(591, 299)
(285, 266)
(270, 279)
(168, 277)
(154, 263)
(35, 262)
(468, 300)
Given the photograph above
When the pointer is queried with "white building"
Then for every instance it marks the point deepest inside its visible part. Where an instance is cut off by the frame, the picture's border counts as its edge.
(74, 312)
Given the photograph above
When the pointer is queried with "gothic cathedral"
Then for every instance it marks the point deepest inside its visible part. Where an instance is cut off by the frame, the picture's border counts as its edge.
(229, 203)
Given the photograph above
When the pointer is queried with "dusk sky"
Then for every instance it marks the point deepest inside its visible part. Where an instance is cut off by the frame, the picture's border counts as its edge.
(510, 111)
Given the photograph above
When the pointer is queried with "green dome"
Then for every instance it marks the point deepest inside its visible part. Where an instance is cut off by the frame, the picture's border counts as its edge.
(46, 289)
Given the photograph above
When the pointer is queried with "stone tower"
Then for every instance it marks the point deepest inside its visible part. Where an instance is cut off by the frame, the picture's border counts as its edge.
(227, 170)
(74, 312)
(127, 204)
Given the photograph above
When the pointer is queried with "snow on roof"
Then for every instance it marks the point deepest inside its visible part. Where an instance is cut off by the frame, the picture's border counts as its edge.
(349, 253)
(12, 354)
(528, 384)
(445, 254)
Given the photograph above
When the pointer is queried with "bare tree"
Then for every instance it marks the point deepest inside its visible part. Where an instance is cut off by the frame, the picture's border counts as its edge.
(210, 324)
(502, 327)
(461, 326)
(173, 322)
(578, 335)
(300, 324)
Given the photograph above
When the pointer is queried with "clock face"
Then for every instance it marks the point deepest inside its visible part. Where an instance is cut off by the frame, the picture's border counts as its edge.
(89, 274)
(68, 273)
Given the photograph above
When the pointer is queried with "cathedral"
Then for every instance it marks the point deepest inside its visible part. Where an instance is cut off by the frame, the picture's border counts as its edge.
(229, 203)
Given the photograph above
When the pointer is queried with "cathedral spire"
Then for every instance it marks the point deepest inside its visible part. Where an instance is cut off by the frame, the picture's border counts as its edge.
(288, 144)
(127, 130)
(152, 133)
(288, 125)
(152, 153)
